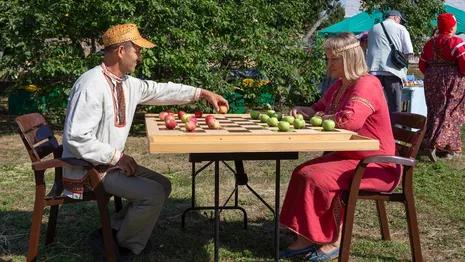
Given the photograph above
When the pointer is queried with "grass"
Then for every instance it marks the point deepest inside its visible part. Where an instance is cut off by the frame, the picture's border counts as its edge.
(439, 192)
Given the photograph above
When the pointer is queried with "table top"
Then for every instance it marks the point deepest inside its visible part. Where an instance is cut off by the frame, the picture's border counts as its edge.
(241, 133)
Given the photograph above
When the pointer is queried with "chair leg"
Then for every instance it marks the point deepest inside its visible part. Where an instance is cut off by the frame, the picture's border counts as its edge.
(383, 220)
(347, 227)
(35, 229)
(110, 246)
(118, 203)
(412, 223)
(52, 224)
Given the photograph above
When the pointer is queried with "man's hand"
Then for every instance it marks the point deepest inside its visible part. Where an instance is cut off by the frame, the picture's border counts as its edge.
(214, 99)
(127, 164)
(306, 112)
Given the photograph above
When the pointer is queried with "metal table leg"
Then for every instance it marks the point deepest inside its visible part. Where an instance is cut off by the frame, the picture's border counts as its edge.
(217, 210)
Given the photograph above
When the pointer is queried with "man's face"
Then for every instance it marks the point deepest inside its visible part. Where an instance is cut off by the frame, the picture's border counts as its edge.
(130, 56)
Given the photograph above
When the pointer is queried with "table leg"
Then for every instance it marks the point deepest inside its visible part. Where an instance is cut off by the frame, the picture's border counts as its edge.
(217, 213)
(276, 216)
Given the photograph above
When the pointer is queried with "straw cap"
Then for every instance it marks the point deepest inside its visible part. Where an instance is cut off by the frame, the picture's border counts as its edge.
(123, 33)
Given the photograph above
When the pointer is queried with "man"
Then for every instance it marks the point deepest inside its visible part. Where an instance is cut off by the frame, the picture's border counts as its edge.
(378, 56)
(99, 116)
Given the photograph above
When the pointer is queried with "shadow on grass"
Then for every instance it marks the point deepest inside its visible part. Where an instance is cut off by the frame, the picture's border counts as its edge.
(169, 241)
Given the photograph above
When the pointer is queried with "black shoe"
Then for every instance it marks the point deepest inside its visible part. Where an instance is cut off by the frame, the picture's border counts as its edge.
(95, 240)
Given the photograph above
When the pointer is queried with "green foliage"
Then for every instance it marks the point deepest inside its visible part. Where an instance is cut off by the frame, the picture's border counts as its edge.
(198, 42)
(418, 14)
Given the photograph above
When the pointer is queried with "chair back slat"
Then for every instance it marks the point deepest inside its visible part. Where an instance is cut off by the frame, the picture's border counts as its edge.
(37, 136)
(408, 130)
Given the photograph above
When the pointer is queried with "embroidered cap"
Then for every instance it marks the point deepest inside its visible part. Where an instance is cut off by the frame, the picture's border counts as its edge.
(123, 33)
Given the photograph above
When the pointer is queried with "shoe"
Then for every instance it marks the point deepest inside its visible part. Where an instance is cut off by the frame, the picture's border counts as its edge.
(288, 253)
(95, 240)
(320, 256)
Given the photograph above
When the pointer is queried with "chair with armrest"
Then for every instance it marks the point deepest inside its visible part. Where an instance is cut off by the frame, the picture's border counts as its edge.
(40, 142)
(408, 142)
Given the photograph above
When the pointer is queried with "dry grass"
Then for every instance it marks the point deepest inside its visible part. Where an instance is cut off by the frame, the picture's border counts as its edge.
(439, 198)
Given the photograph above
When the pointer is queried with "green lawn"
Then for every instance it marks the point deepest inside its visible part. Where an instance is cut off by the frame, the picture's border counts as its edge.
(439, 192)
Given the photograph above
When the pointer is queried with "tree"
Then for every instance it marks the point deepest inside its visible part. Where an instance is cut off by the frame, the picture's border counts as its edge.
(327, 12)
(199, 42)
(418, 13)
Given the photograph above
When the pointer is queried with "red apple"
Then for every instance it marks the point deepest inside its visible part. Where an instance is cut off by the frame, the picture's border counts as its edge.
(162, 115)
(214, 124)
(190, 126)
(169, 111)
(192, 119)
(223, 109)
(198, 113)
(170, 124)
(208, 118)
(169, 118)
(180, 113)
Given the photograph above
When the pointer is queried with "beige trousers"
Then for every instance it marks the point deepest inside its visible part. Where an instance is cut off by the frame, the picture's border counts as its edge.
(146, 192)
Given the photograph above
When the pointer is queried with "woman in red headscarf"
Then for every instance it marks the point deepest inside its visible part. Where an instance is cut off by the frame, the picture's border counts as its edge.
(443, 64)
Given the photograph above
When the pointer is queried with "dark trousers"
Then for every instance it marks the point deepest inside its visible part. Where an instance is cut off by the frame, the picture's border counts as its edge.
(393, 91)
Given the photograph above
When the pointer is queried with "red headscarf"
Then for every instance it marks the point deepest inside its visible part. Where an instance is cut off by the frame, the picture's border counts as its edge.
(445, 23)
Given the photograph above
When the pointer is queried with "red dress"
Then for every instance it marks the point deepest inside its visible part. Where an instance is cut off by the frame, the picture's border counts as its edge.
(312, 207)
(443, 64)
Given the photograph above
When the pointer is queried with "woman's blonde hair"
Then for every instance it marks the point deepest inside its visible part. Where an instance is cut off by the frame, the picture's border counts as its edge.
(348, 47)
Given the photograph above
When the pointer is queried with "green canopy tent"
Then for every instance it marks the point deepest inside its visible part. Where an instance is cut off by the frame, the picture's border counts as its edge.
(364, 22)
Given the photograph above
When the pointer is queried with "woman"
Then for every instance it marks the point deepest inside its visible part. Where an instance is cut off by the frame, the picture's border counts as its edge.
(312, 207)
(443, 64)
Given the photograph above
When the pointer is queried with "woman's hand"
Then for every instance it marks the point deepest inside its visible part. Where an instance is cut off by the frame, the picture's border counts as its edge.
(326, 117)
(306, 112)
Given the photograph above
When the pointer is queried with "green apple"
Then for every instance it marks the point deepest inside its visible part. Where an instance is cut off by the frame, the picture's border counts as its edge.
(299, 123)
(264, 118)
(289, 119)
(270, 112)
(329, 125)
(279, 116)
(316, 121)
(299, 116)
(254, 114)
(185, 117)
(272, 121)
(284, 126)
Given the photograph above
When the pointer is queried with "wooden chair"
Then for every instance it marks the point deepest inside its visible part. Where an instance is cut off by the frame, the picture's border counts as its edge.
(40, 142)
(408, 143)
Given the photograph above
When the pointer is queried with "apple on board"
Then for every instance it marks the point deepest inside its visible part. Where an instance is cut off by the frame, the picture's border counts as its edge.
(170, 123)
(284, 126)
(162, 115)
(198, 113)
(181, 113)
(289, 119)
(170, 117)
(185, 117)
(299, 116)
(264, 118)
(192, 119)
(299, 123)
(328, 125)
(190, 126)
(254, 114)
(214, 124)
(272, 121)
(207, 118)
(316, 121)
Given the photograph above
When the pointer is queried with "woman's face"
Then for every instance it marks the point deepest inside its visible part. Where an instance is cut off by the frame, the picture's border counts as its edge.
(335, 65)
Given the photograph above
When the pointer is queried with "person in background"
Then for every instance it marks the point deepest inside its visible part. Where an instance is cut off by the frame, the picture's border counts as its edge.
(312, 207)
(442, 61)
(101, 108)
(378, 56)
